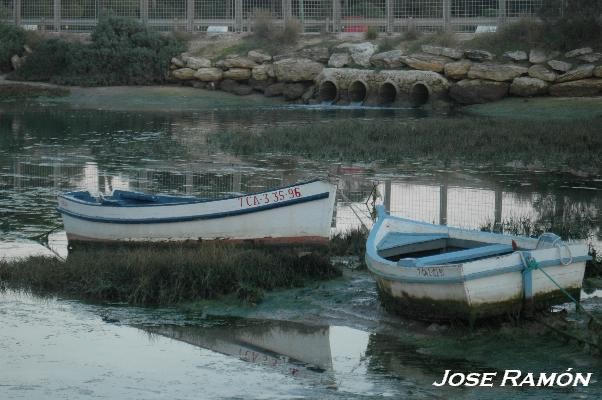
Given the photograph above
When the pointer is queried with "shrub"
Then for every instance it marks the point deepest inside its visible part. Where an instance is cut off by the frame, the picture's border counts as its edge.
(263, 24)
(578, 23)
(11, 43)
(523, 34)
(291, 32)
(412, 33)
(371, 33)
(122, 52)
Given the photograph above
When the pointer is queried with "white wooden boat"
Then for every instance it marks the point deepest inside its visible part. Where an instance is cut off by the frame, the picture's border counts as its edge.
(299, 214)
(436, 272)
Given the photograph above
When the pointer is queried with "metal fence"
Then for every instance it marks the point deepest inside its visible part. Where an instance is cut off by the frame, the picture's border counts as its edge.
(334, 16)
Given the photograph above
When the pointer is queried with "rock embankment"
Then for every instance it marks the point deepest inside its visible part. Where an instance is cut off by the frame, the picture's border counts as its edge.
(460, 75)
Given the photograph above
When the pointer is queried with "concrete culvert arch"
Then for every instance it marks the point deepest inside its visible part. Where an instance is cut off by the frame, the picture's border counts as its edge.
(328, 91)
(358, 91)
(387, 93)
(419, 94)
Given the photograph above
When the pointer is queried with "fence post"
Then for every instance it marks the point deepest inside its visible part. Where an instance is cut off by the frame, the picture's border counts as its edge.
(501, 12)
(389, 15)
(56, 13)
(336, 15)
(17, 12)
(189, 15)
(238, 15)
(144, 11)
(446, 15)
(497, 208)
(443, 204)
(387, 198)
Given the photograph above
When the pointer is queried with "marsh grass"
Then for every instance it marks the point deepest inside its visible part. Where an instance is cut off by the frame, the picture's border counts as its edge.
(576, 144)
(167, 275)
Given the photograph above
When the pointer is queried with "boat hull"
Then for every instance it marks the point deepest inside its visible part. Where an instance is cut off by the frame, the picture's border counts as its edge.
(296, 214)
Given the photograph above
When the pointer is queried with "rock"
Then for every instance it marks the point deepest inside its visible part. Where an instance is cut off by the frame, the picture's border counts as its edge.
(559, 65)
(584, 87)
(260, 85)
(425, 62)
(262, 72)
(259, 57)
(360, 52)
(177, 62)
(293, 91)
(231, 86)
(578, 52)
(478, 55)
(541, 72)
(243, 90)
(319, 54)
(537, 56)
(443, 51)
(16, 62)
(470, 91)
(496, 72)
(27, 49)
(581, 72)
(297, 69)
(274, 90)
(309, 94)
(339, 60)
(598, 71)
(196, 62)
(183, 74)
(591, 58)
(517, 55)
(237, 74)
(239, 62)
(457, 70)
(208, 74)
(526, 86)
(387, 60)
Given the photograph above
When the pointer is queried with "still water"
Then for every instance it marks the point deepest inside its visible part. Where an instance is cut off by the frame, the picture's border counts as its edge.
(327, 341)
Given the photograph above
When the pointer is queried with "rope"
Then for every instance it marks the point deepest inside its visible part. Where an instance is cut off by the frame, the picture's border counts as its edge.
(43, 240)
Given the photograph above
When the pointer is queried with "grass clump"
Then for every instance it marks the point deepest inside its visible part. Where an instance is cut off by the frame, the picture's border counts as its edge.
(12, 39)
(575, 144)
(166, 275)
(122, 52)
(371, 33)
(524, 34)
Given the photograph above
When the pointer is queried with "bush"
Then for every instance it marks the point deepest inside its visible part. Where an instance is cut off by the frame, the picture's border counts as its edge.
(578, 23)
(122, 52)
(11, 43)
(263, 24)
(521, 35)
(371, 33)
(291, 32)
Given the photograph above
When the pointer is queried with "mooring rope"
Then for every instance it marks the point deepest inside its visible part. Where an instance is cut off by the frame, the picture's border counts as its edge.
(43, 240)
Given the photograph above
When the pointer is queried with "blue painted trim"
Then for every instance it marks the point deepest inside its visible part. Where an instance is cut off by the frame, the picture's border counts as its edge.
(193, 200)
(187, 218)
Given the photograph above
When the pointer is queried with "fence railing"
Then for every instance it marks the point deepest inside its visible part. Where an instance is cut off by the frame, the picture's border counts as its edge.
(332, 16)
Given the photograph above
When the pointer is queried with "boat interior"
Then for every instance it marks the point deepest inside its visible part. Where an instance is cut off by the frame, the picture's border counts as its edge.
(128, 198)
(423, 249)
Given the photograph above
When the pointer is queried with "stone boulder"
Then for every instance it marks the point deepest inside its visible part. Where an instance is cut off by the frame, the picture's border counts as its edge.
(297, 69)
(339, 60)
(183, 74)
(526, 86)
(360, 52)
(457, 70)
(496, 72)
(231, 86)
(537, 56)
(237, 74)
(477, 91)
(274, 90)
(16, 62)
(581, 88)
(560, 66)
(425, 62)
(581, 72)
(591, 58)
(319, 54)
(263, 72)
(177, 62)
(478, 55)
(208, 74)
(259, 57)
(239, 62)
(517, 55)
(309, 94)
(578, 52)
(443, 51)
(196, 62)
(293, 91)
(387, 60)
(541, 72)
(598, 71)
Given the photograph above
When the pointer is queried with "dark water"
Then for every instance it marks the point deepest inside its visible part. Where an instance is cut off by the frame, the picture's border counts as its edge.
(330, 340)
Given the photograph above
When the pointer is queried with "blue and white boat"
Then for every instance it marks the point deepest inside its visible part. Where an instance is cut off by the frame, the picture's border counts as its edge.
(296, 214)
(436, 272)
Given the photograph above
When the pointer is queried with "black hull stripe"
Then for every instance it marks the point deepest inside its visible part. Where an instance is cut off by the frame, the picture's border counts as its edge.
(188, 218)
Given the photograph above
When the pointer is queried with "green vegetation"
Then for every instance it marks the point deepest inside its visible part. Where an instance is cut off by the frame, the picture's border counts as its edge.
(576, 144)
(21, 90)
(122, 52)
(167, 275)
(13, 39)
(371, 33)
